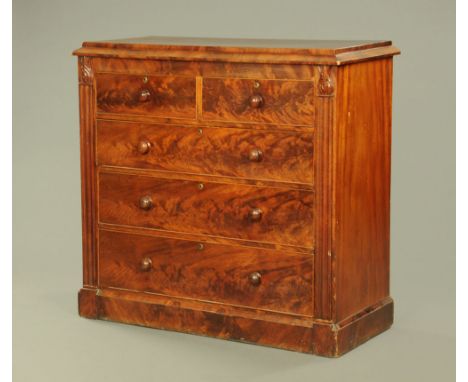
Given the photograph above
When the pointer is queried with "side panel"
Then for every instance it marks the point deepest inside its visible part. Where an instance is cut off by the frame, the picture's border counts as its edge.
(361, 216)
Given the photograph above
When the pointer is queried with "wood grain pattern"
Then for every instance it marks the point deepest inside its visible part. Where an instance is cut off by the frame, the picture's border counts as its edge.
(240, 191)
(201, 238)
(203, 69)
(286, 156)
(204, 178)
(218, 209)
(206, 319)
(362, 186)
(290, 102)
(243, 324)
(154, 119)
(88, 175)
(240, 46)
(322, 52)
(366, 55)
(324, 287)
(88, 303)
(207, 271)
(264, 58)
(364, 325)
(170, 96)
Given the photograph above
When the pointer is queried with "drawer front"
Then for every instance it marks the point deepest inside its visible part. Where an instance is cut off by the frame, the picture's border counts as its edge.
(267, 101)
(254, 154)
(164, 96)
(258, 278)
(273, 215)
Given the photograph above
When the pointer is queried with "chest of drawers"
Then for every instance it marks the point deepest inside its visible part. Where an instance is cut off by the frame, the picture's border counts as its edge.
(238, 189)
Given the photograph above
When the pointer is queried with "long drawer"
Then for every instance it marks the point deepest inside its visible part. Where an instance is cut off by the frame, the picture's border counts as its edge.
(258, 278)
(272, 215)
(255, 154)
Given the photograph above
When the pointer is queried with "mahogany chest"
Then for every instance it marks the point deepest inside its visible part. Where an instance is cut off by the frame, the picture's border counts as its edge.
(238, 189)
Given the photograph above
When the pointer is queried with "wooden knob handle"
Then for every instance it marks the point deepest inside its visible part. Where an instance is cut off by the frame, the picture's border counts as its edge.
(144, 95)
(255, 214)
(255, 278)
(144, 147)
(146, 203)
(255, 155)
(146, 264)
(256, 101)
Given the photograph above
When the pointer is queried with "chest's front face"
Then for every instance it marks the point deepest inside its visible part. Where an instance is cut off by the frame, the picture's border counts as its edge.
(217, 158)
(207, 197)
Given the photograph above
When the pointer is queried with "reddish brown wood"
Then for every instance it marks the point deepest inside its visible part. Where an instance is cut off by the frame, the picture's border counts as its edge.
(240, 50)
(323, 197)
(202, 178)
(213, 272)
(361, 227)
(364, 325)
(241, 46)
(268, 101)
(206, 238)
(298, 333)
(88, 303)
(326, 81)
(285, 156)
(88, 176)
(241, 189)
(169, 96)
(218, 209)
(203, 69)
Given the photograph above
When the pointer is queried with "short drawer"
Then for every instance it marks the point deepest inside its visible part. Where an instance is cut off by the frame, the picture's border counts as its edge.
(257, 278)
(274, 215)
(164, 96)
(255, 154)
(267, 101)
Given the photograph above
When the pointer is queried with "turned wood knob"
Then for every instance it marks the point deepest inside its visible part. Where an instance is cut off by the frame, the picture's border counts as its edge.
(144, 147)
(255, 278)
(144, 95)
(255, 155)
(256, 101)
(146, 264)
(146, 203)
(255, 214)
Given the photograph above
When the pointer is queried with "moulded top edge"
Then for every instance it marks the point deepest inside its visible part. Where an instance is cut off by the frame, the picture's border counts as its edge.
(333, 52)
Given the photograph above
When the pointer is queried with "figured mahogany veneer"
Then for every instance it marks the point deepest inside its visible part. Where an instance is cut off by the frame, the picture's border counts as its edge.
(170, 96)
(238, 188)
(207, 271)
(269, 101)
(273, 215)
(233, 152)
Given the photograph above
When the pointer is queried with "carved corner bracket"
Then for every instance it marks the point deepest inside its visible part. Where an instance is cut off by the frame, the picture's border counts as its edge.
(326, 82)
(85, 71)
